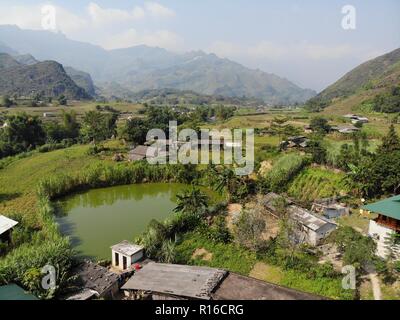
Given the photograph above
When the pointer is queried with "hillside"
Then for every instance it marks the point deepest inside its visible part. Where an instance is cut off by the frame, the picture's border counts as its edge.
(82, 79)
(146, 68)
(48, 78)
(7, 61)
(377, 76)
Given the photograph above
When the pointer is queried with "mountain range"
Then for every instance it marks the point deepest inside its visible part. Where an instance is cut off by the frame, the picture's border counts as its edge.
(146, 68)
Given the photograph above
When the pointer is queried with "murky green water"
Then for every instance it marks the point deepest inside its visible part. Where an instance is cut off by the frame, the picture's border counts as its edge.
(100, 218)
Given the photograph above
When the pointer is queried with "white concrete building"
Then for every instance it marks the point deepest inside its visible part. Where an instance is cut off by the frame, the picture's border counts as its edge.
(125, 254)
(385, 226)
(311, 229)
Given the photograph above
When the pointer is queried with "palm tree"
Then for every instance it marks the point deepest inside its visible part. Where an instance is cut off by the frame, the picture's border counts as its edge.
(192, 201)
(225, 179)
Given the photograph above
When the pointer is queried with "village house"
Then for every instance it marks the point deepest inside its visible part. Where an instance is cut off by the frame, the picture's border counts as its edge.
(126, 254)
(355, 119)
(311, 229)
(6, 227)
(141, 153)
(345, 129)
(383, 228)
(330, 208)
(299, 142)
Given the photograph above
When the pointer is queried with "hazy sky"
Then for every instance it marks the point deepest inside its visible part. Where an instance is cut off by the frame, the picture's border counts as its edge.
(301, 40)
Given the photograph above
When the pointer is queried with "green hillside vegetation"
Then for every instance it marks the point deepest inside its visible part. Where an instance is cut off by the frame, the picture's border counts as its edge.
(284, 170)
(47, 79)
(387, 102)
(317, 183)
(363, 83)
(178, 97)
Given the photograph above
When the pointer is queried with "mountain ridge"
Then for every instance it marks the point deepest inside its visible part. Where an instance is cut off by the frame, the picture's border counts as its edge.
(142, 67)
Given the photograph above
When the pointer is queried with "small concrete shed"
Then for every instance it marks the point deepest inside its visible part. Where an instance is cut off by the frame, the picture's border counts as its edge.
(6, 226)
(125, 254)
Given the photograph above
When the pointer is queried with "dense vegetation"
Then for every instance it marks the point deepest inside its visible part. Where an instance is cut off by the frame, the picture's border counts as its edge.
(377, 174)
(284, 170)
(388, 102)
(377, 74)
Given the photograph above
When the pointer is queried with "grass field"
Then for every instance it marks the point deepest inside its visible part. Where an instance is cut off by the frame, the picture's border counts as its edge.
(19, 179)
(79, 107)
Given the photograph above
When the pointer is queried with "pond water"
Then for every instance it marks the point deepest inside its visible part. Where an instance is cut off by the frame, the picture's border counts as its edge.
(100, 218)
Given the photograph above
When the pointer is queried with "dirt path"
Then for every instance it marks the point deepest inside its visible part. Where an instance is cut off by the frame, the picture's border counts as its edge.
(376, 285)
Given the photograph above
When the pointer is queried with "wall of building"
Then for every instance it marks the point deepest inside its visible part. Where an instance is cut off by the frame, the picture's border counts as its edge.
(381, 234)
(129, 260)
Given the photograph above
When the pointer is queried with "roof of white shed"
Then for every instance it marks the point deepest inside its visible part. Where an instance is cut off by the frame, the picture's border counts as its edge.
(127, 248)
(6, 224)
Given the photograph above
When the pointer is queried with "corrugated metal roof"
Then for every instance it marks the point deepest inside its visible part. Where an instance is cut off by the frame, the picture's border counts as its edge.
(177, 280)
(389, 207)
(308, 219)
(6, 224)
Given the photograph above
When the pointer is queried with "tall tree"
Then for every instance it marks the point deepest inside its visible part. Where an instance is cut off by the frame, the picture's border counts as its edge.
(320, 125)
(391, 141)
(6, 102)
(134, 130)
(70, 124)
(98, 126)
(23, 130)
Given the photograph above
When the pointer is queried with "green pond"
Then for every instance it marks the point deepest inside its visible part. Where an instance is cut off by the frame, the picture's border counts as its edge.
(100, 218)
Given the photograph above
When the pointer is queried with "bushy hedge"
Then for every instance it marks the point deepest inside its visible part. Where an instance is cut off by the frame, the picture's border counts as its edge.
(106, 175)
